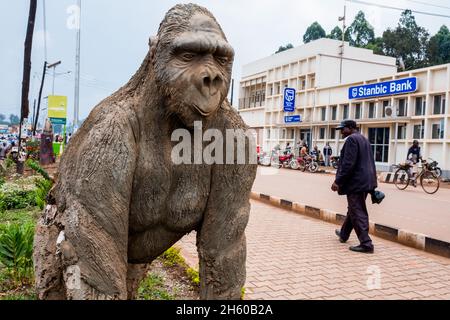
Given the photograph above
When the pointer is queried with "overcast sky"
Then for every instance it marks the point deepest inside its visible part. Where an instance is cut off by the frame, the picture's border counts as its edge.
(114, 37)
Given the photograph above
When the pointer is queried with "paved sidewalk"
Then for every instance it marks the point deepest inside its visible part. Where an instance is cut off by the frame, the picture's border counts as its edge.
(411, 209)
(291, 256)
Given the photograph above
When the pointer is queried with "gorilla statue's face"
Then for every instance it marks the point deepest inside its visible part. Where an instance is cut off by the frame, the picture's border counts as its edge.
(194, 70)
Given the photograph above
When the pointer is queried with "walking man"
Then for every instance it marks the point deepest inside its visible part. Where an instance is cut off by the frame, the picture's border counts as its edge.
(355, 178)
(327, 152)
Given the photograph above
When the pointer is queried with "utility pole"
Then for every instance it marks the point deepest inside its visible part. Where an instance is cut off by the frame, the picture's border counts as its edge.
(25, 109)
(39, 98)
(77, 72)
(341, 53)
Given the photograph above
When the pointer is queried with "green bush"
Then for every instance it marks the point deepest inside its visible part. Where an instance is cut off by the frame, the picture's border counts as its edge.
(16, 252)
(36, 167)
(2, 181)
(43, 188)
(193, 276)
(16, 197)
(172, 257)
(9, 163)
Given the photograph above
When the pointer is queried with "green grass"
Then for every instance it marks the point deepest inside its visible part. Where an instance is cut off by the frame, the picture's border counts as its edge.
(152, 288)
(193, 276)
(20, 216)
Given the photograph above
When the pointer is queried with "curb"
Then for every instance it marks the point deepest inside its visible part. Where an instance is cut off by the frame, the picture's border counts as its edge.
(405, 237)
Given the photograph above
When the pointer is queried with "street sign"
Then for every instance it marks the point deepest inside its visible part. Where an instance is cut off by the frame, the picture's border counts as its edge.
(292, 119)
(57, 107)
(289, 100)
(56, 121)
(387, 88)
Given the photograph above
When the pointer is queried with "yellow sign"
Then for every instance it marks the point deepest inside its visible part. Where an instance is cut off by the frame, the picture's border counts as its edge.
(57, 107)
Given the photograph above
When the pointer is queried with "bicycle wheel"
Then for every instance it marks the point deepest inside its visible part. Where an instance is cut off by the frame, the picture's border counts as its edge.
(401, 179)
(429, 182)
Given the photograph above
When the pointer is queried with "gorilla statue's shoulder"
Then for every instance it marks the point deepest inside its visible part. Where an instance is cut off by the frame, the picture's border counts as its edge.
(232, 118)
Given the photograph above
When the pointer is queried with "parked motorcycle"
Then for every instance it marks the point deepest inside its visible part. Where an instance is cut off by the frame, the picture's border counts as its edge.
(335, 162)
(304, 163)
(282, 160)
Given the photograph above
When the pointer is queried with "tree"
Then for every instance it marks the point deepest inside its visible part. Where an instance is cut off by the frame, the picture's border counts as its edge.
(14, 119)
(335, 34)
(376, 46)
(408, 41)
(360, 32)
(2, 117)
(284, 48)
(438, 50)
(314, 32)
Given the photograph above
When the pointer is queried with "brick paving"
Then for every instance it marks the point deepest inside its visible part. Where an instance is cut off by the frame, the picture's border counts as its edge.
(292, 257)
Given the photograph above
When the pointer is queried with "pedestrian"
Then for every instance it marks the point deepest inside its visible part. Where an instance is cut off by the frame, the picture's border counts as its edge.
(3, 151)
(355, 178)
(327, 153)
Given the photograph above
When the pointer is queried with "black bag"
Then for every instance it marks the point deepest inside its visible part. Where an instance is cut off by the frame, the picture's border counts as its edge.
(377, 196)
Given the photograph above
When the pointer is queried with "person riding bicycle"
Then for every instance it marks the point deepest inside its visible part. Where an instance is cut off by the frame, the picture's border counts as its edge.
(413, 157)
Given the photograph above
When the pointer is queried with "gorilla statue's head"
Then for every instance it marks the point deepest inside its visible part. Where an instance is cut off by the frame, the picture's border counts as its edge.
(192, 62)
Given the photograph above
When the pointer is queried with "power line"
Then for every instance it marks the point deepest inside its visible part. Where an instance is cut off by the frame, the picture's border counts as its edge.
(429, 4)
(399, 9)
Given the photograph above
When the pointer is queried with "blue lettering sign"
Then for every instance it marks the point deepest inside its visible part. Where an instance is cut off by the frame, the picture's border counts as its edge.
(387, 88)
(289, 100)
(292, 119)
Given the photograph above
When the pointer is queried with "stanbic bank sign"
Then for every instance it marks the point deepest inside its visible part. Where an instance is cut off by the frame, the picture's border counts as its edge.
(387, 88)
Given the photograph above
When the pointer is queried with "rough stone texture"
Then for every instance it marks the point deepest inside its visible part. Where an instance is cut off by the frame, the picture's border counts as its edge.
(119, 200)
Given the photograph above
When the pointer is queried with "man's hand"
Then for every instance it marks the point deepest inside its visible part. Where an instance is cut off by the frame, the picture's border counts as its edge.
(335, 187)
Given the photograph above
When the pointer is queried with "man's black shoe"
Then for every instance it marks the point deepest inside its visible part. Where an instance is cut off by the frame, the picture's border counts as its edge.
(362, 249)
(338, 233)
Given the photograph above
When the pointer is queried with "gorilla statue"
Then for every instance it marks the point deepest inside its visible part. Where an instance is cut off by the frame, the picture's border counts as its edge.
(119, 200)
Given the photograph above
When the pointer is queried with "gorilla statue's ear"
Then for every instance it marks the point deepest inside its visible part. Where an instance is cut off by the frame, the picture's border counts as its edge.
(153, 43)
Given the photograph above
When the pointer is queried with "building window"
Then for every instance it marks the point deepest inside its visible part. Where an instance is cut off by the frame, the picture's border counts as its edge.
(419, 130)
(333, 112)
(371, 110)
(385, 104)
(322, 133)
(358, 111)
(438, 130)
(345, 112)
(439, 105)
(268, 133)
(401, 134)
(323, 113)
(291, 134)
(402, 107)
(420, 106)
(379, 139)
(332, 133)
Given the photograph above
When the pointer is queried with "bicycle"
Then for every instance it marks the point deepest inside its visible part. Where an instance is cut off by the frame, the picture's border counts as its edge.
(427, 178)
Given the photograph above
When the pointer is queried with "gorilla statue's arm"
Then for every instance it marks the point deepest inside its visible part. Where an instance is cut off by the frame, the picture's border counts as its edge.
(93, 195)
(221, 240)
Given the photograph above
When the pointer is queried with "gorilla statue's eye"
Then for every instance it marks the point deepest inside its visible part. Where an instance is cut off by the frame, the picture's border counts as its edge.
(187, 56)
(223, 60)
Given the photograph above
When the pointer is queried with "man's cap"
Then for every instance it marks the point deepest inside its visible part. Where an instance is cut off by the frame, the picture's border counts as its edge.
(347, 124)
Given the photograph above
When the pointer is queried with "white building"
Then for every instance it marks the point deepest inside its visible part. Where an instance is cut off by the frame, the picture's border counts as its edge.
(322, 77)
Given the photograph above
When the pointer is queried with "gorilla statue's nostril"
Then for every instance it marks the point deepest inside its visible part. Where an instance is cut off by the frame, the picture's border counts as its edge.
(207, 81)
